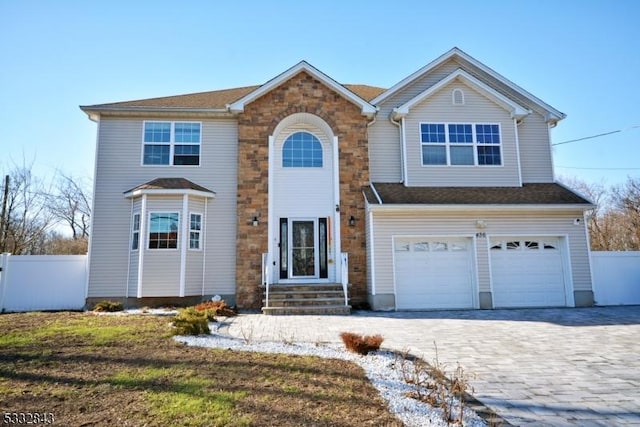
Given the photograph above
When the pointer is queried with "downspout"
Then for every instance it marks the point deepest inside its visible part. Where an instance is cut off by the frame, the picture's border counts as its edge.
(204, 243)
(402, 155)
(516, 125)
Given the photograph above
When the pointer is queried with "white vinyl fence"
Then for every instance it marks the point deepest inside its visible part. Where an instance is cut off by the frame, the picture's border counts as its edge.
(58, 282)
(616, 277)
(42, 282)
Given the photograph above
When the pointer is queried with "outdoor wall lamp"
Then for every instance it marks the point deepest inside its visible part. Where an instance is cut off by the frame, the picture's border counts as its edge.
(352, 221)
(255, 221)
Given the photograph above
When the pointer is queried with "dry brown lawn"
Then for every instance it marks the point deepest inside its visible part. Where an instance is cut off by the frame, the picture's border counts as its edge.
(90, 370)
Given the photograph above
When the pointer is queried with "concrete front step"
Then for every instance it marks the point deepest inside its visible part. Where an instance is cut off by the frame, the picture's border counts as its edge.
(313, 298)
(310, 309)
(303, 302)
(280, 296)
(329, 287)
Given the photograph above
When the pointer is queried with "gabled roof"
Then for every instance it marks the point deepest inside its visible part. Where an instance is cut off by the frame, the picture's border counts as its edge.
(553, 115)
(168, 186)
(203, 102)
(302, 66)
(516, 110)
(543, 194)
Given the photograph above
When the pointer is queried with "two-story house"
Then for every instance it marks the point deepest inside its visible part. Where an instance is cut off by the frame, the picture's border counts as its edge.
(437, 193)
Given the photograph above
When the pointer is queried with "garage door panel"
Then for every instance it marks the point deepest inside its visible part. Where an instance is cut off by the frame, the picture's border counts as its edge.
(433, 274)
(527, 272)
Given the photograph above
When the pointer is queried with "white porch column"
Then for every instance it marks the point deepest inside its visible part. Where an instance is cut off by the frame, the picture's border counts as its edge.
(337, 247)
(271, 232)
(142, 247)
(185, 242)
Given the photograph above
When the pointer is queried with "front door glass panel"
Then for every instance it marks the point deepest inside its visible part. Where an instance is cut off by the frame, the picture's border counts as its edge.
(303, 244)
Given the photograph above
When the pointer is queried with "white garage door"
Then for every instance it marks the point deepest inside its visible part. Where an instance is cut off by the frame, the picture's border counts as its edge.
(527, 272)
(433, 273)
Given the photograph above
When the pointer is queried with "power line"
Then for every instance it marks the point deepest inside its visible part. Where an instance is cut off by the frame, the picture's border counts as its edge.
(596, 136)
(598, 169)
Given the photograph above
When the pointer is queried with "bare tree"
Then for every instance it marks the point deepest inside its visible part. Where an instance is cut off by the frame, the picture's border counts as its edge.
(596, 218)
(627, 201)
(614, 224)
(26, 219)
(70, 203)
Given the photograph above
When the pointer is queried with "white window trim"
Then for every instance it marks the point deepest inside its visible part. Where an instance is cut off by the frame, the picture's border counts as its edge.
(303, 168)
(453, 96)
(200, 232)
(134, 231)
(171, 144)
(148, 231)
(448, 144)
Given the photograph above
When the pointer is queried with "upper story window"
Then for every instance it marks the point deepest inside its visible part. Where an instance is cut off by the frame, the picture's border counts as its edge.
(171, 143)
(302, 150)
(456, 144)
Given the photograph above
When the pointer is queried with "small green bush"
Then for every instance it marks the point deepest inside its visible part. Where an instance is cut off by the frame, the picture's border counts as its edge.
(361, 344)
(189, 321)
(108, 306)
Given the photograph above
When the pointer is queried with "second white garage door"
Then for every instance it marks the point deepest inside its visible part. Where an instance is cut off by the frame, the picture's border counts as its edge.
(433, 273)
(527, 272)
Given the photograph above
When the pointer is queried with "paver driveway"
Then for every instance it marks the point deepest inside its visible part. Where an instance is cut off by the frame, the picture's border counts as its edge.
(559, 367)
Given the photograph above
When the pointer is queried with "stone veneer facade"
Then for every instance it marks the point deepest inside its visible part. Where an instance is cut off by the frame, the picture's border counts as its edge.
(301, 93)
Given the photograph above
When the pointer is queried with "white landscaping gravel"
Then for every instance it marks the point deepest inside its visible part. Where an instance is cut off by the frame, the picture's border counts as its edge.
(379, 367)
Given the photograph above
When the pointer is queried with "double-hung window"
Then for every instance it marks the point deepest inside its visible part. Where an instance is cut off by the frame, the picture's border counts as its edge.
(135, 232)
(460, 144)
(195, 228)
(171, 143)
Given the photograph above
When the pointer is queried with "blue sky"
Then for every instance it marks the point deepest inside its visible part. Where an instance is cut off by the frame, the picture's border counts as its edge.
(582, 57)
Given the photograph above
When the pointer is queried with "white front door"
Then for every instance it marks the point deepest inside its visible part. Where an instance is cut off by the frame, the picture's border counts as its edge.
(303, 248)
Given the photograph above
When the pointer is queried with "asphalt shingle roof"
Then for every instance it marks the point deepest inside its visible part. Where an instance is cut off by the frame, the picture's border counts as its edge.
(170, 184)
(218, 99)
(528, 194)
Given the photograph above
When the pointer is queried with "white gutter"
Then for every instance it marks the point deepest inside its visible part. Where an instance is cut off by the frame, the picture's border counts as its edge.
(95, 112)
(458, 207)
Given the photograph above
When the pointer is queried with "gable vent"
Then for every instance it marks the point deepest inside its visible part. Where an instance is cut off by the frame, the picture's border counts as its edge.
(457, 97)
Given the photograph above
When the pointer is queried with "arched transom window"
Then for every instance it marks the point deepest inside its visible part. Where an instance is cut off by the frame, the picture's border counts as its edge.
(302, 150)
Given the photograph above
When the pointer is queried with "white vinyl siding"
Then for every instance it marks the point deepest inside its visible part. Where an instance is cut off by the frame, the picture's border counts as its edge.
(535, 149)
(385, 161)
(194, 273)
(303, 192)
(384, 139)
(477, 110)
(161, 267)
(118, 170)
(369, 242)
(451, 223)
